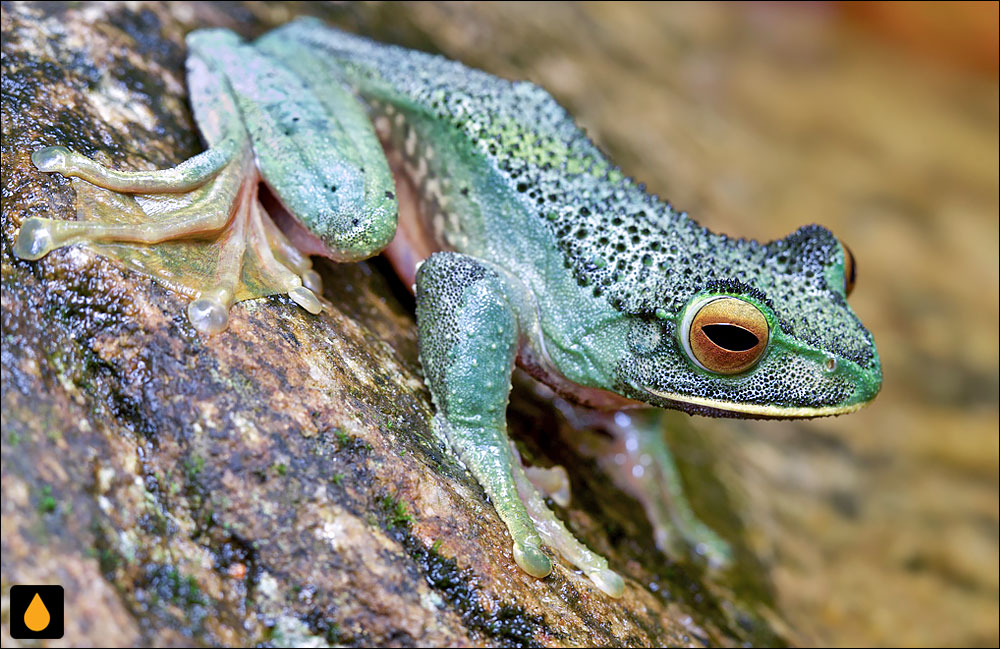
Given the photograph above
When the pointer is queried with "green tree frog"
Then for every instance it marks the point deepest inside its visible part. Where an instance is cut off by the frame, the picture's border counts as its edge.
(525, 244)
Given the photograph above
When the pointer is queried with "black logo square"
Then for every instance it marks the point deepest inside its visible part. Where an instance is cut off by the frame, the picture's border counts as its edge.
(36, 612)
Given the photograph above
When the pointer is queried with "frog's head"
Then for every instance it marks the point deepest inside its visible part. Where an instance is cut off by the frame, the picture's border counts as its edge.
(777, 340)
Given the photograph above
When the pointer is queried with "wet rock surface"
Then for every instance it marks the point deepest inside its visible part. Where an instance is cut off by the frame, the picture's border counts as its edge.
(280, 484)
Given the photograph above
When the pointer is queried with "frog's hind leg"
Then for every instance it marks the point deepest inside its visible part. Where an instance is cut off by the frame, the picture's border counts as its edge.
(210, 311)
(281, 264)
(468, 334)
(190, 174)
(286, 254)
(198, 228)
(193, 200)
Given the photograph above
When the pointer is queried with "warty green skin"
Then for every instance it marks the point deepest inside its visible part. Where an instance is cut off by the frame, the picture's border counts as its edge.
(550, 257)
(610, 268)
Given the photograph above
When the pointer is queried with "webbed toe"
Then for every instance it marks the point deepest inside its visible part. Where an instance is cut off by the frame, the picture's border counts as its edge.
(198, 228)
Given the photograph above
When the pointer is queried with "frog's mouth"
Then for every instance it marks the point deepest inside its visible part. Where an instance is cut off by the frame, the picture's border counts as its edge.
(719, 408)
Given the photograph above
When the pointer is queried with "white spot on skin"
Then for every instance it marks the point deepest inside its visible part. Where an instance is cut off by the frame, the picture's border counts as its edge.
(411, 142)
(433, 190)
(411, 171)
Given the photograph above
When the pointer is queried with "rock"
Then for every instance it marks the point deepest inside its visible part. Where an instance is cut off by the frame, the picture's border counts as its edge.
(278, 483)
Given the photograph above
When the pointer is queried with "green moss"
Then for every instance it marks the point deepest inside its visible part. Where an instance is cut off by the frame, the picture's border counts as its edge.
(193, 466)
(169, 586)
(46, 503)
(395, 513)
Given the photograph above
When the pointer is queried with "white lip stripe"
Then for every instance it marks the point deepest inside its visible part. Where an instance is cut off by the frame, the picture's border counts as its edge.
(756, 409)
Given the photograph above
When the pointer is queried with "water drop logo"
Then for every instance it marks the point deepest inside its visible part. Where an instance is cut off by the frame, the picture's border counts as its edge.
(36, 612)
(37, 616)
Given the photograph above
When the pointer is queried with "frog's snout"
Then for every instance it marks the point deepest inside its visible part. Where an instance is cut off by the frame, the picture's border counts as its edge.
(868, 380)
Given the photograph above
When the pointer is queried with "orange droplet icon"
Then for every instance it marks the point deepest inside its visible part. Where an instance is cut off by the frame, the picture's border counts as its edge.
(36, 617)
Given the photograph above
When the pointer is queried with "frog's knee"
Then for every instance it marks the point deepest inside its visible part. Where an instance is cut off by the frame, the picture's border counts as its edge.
(355, 234)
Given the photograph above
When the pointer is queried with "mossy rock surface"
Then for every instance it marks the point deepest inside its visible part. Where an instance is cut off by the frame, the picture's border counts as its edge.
(277, 483)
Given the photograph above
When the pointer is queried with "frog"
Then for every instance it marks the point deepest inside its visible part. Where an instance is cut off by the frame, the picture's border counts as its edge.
(524, 245)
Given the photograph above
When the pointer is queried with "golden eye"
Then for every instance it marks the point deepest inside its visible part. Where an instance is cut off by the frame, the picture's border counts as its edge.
(850, 269)
(727, 335)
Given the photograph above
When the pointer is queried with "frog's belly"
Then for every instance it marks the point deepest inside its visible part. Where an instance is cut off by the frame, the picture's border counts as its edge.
(413, 242)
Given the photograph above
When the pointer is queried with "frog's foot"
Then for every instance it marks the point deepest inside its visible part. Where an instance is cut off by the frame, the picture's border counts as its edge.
(197, 228)
(640, 462)
(553, 482)
(469, 332)
(556, 536)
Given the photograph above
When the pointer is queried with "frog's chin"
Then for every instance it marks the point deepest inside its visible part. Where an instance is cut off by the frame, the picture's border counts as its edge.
(718, 408)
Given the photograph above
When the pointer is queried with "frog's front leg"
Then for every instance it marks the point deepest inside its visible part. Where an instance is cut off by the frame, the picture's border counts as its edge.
(468, 327)
(641, 463)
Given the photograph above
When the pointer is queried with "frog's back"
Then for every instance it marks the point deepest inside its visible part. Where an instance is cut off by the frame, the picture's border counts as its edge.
(505, 175)
(502, 170)
(469, 99)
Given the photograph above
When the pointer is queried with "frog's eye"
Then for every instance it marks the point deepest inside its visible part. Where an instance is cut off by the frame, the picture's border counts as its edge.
(725, 335)
(850, 269)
